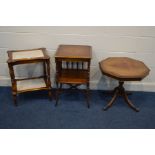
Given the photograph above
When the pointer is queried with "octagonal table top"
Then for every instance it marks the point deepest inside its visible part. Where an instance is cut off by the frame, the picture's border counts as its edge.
(124, 68)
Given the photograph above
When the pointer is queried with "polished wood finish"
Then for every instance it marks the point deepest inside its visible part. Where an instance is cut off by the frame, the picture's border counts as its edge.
(73, 67)
(74, 51)
(120, 91)
(123, 69)
(45, 60)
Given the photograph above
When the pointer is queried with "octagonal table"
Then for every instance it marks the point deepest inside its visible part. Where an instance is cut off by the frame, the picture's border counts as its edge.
(123, 69)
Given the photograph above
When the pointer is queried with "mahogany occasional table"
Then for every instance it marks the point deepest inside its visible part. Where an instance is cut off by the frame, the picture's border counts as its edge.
(73, 67)
(21, 85)
(123, 69)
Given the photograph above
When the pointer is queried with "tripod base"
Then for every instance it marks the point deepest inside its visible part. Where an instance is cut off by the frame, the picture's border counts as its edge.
(120, 91)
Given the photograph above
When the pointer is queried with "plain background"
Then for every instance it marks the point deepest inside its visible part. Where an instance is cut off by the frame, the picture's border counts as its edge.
(70, 12)
(137, 42)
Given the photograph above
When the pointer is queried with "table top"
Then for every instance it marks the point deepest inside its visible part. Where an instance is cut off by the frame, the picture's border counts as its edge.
(31, 54)
(74, 51)
(124, 67)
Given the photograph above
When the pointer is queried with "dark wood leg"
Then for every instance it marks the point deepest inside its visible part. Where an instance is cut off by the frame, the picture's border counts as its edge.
(47, 77)
(124, 94)
(87, 95)
(57, 98)
(129, 102)
(45, 72)
(109, 93)
(58, 93)
(14, 83)
(15, 99)
(120, 91)
(112, 100)
(50, 94)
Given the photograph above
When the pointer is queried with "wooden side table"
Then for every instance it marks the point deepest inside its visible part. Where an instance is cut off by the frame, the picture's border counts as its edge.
(73, 67)
(21, 85)
(123, 69)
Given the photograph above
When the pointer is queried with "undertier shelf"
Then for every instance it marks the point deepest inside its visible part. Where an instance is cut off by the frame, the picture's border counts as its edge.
(30, 84)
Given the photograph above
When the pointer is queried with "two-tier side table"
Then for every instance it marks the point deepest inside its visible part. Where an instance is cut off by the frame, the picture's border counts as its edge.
(27, 84)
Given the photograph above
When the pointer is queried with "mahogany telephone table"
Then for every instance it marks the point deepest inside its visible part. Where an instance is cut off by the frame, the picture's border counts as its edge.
(73, 68)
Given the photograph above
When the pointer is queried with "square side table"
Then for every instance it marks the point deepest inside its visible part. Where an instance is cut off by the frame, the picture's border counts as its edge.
(21, 85)
(73, 67)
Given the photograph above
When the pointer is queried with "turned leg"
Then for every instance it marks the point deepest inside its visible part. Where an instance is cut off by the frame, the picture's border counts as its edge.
(87, 95)
(15, 98)
(50, 94)
(58, 93)
(14, 83)
(47, 76)
(112, 100)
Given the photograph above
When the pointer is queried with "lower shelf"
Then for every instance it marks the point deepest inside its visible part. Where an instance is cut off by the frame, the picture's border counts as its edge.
(30, 84)
(73, 76)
